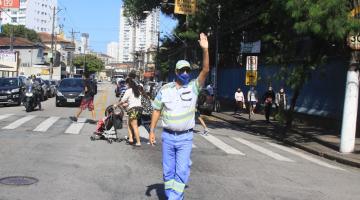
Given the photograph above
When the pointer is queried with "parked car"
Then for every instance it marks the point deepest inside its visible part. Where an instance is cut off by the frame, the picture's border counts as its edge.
(11, 90)
(69, 91)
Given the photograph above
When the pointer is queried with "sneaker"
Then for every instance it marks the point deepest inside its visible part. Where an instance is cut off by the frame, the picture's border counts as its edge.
(153, 142)
(73, 118)
(206, 132)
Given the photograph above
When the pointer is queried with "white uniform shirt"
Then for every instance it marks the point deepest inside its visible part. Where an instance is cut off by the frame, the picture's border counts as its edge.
(177, 105)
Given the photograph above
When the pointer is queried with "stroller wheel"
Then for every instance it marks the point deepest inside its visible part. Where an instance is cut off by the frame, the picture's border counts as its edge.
(110, 141)
(92, 138)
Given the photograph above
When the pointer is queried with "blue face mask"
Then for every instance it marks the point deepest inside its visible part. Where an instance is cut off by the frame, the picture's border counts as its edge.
(183, 78)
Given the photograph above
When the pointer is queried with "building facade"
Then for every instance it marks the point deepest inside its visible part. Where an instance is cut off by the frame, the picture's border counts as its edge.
(113, 52)
(33, 14)
(136, 39)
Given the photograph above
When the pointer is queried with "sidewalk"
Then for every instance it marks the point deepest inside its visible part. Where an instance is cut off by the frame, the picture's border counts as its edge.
(316, 140)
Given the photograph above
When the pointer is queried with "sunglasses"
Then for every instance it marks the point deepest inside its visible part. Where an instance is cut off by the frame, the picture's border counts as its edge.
(185, 69)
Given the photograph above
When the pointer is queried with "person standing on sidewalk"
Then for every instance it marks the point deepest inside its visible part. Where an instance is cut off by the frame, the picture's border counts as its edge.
(239, 100)
(269, 98)
(280, 102)
(252, 99)
(176, 104)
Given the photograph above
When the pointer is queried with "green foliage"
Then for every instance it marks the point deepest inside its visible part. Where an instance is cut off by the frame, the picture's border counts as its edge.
(20, 31)
(327, 19)
(92, 63)
(135, 8)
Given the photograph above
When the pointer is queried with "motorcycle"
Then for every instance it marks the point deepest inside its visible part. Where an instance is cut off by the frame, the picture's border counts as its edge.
(113, 119)
(30, 99)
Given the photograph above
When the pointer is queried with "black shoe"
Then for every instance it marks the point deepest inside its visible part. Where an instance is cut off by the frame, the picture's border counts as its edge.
(91, 121)
(73, 118)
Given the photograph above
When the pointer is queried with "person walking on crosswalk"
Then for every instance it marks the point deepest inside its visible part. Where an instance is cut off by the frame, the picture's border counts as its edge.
(88, 99)
(175, 103)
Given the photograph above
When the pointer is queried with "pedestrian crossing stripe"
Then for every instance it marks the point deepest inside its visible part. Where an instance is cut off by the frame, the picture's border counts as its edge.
(304, 156)
(5, 116)
(263, 150)
(19, 122)
(76, 127)
(45, 125)
(222, 145)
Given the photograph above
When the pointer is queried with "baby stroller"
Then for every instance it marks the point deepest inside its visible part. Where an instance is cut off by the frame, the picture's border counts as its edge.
(113, 118)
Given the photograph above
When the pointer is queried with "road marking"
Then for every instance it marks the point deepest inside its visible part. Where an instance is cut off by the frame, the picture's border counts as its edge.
(311, 159)
(263, 150)
(45, 125)
(76, 127)
(19, 122)
(221, 145)
(5, 116)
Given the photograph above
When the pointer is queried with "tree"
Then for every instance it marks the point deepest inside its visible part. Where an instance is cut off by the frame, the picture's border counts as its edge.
(299, 37)
(92, 63)
(20, 31)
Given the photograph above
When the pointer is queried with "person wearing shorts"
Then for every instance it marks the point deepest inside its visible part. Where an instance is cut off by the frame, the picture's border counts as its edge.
(87, 101)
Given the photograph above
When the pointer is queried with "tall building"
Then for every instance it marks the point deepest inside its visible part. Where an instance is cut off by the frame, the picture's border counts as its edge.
(34, 14)
(85, 43)
(113, 52)
(137, 39)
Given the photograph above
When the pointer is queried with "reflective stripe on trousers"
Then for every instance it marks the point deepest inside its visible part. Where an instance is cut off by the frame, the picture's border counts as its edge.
(176, 151)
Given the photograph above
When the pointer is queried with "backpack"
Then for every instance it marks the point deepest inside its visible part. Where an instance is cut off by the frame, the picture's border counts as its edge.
(146, 105)
(92, 88)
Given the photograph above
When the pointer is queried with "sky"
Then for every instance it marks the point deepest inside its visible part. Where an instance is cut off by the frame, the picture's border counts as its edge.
(98, 18)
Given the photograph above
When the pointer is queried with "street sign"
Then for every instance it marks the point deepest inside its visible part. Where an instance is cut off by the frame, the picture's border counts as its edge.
(251, 63)
(251, 78)
(185, 7)
(5, 4)
(354, 42)
(250, 47)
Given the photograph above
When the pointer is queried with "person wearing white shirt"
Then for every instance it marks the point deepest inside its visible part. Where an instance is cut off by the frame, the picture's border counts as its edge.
(239, 99)
(132, 98)
(252, 99)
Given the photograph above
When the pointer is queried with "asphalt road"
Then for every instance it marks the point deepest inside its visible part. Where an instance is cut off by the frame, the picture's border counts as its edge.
(228, 164)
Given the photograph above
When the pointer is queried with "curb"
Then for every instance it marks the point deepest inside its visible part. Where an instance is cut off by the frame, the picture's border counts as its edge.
(307, 149)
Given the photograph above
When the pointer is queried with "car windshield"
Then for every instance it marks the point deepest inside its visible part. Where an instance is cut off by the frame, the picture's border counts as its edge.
(72, 83)
(9, 82)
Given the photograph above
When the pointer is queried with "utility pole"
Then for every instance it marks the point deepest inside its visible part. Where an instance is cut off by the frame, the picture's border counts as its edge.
(52, 44)
(52, 41)
(73, 34)
(217, 50)
(11, 37)
(348, 128)
(157, 66)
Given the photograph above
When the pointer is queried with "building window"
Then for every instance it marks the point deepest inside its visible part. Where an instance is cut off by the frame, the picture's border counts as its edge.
(13, 19)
